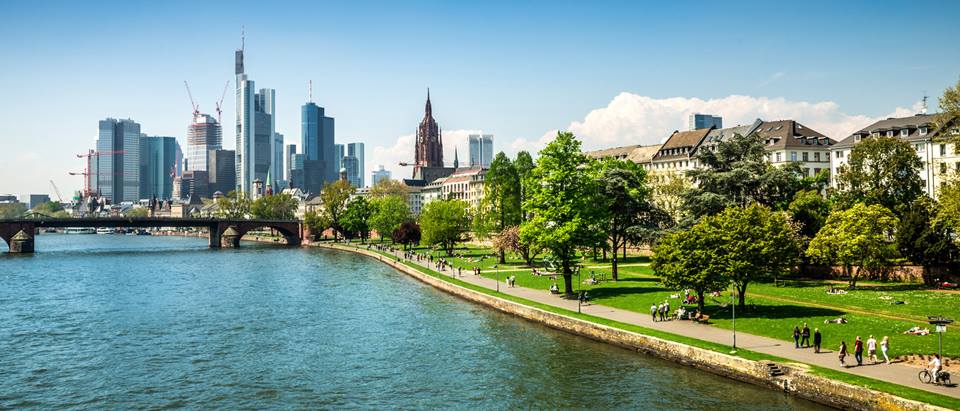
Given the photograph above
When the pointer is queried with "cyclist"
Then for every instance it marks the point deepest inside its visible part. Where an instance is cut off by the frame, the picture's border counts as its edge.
(935, 367)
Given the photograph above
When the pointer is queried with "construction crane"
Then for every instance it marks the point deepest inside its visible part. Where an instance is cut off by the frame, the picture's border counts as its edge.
(196, 108)
(57, 191)
(89, 155)
(220, 103)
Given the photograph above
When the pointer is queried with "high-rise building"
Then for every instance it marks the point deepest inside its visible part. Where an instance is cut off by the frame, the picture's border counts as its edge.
(37, 199)
(481, 150)
(377, 175)
(338, 153)
(289, 152)
(116, 172)
(355, 168)
(698, 121)
(255, 129)
(203, 135)
(317, 144)
(277, 170)
(222, 171)
(158, 166)
(429, 148)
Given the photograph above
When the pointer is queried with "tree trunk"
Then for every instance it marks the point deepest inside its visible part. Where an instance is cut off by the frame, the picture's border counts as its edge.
(567, 278)
(503, 257)
(613, 263)
(700, 301)
(853, 277)
(594, 252)
(741, 298)
(624, 251)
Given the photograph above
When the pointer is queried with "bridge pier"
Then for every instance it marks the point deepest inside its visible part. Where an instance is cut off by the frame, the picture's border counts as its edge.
(230, 238)
(18, 235)
(22, 242)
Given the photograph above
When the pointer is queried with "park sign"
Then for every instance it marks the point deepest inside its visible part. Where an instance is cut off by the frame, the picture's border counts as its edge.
(941, 328)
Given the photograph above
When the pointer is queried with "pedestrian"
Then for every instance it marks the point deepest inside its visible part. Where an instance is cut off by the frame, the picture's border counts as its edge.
(872, 349)
(858, 351)
(884, 347)
(663, 312)
(805, 336)
(817, 339)
(653, 312)
(796, 337)
(843, 353)
(666, 308)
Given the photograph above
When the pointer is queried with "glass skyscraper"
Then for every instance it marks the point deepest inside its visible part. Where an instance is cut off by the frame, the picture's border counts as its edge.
(158, 165)
(481, 150)
(317, 143)
(255, 129)
(698, 121)
(353, 162)
(115, 173)
(203, 135)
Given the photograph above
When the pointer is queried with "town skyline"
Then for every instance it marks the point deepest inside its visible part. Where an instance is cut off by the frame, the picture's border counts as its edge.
(606, 104)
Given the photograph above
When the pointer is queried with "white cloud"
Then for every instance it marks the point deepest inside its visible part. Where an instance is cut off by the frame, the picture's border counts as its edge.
(634, 119)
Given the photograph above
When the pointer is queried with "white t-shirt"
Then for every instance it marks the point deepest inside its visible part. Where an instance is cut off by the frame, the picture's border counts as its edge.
(935, 363)
(872, 344)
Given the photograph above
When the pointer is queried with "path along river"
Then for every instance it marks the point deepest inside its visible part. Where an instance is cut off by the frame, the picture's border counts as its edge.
(119, 322)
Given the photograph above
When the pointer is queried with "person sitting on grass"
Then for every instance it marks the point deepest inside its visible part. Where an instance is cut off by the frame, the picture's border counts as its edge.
(554, 289)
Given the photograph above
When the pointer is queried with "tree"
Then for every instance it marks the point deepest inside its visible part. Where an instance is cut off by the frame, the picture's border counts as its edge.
(946, 122)
(560, 202)
(858, 236)
(923, 240)
(685, 259)
(138, 212)
(524, 165)
(809, 209)
(334, 197)
(389, 212)
(444, 223)
(949, 210)
(51, 209)
(622, 197)
(501, 195)
(667, 189)
(408, 234)
(736, 173)
(234, 205)
(387, 188)
(356, 218)
(316, 222)
(880, 170)
(275, 207)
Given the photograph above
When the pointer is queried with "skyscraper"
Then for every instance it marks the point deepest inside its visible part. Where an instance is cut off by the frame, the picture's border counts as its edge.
(158, 166)
(255, 128)
(481, 150)
(356, 169)
(377, 175)
(338, 153)
(290, 151)
(429, 148)
(276, 170)
(116, 172)
(203, 135)
(222, 171)
(698, 121)
(317, 143)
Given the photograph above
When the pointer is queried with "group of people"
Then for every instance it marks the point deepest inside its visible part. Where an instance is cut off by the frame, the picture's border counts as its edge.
(801, 338)
(661, 310)
(871, 350)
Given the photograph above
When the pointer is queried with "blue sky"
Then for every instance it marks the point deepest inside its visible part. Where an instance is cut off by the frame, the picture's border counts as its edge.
(614, 72)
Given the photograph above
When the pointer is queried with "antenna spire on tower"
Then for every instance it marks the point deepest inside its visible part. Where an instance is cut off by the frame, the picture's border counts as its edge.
(310, 91)
(243, 36)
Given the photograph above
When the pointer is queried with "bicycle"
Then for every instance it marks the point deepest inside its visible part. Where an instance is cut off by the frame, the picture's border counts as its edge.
(926, 377)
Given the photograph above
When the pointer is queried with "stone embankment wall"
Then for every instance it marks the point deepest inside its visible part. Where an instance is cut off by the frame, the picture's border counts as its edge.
(795, 380)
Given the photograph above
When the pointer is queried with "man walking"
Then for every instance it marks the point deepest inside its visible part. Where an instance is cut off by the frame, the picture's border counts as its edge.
(796, 337)
(858, 351)
(872, 349)
(805, 336)
(653, 312)
(817, 339)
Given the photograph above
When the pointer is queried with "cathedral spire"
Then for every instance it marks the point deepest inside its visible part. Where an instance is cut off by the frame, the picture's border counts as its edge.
(429, 108)
(456, 161)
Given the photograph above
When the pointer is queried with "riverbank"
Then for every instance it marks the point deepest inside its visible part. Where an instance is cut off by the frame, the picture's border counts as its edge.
(820, 384)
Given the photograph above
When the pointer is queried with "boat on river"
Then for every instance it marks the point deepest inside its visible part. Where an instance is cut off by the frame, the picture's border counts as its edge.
(79, 230)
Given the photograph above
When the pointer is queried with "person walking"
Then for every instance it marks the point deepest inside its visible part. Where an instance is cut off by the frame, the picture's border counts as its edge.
(666, 308)
(660, 311)
(796, 337)
(872, 349)
(653, 312)
(858, 351)
(884, 347)
(663, 311)
(805, 336)
(843, 353)
(817, 339)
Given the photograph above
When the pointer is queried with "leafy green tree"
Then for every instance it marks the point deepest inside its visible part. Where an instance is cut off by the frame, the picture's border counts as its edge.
(387, 188)
(524, 165)
(316, 222)
(686, 259)
(949, 210)
(334, 197)
(389, 212)
(234, 205)
(138, 212)
(501, 195)
(561, 204)
(667, 191)
(52, 209)
(623, 201)
(881, 170)
(356, 218)
(810, 210)
(408, 234)
(737, 173)
(275, 207)
(12, 210)
(444, 223)
(923, 240)
(859, 237)
(948, 121)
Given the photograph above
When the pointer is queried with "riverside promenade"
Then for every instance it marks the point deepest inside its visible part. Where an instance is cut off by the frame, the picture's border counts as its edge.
(893, 373)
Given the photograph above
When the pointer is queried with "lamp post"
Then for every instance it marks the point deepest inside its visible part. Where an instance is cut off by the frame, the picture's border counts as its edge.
(579, 285)
(498, 276)
(733, 305)
(941, 323)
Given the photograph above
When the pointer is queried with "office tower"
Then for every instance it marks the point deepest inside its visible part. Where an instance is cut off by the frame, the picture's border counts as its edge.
(377, 175)
(203, 135)
(296, 171)
(429, 146)
(158, 166)
(255, 128)
(317, 146)
(222, 171)
(349, 169)
(338, 154)
(277, 170)
(355, 169)
(290, 151)
(116, 174)
(481, 150)
(193, 184)
(698, 121)
(37, 199)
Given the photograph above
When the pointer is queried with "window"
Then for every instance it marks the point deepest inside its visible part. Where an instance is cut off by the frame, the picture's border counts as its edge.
(806, 156)
(943, 168)
(923, 131)
(921, 148)
(793, 156)
(904, 132)
(876, 134)
(943, 150)
(806, 171)
(816, 156)
(778, 157)
(856, 138)
(889, 133)
(839, 154)
(816, 171)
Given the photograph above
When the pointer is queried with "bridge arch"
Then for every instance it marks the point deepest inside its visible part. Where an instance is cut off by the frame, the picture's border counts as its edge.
(230, 234)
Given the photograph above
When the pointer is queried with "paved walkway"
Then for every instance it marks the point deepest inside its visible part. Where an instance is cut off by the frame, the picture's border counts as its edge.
(895, 373)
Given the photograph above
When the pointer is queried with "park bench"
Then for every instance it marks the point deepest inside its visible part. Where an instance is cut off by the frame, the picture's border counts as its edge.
(702, 319)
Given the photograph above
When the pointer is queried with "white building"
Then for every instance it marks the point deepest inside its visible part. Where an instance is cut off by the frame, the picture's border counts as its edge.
(465, 184)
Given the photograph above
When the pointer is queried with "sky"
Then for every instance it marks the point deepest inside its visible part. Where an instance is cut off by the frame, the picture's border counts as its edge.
(614, 73)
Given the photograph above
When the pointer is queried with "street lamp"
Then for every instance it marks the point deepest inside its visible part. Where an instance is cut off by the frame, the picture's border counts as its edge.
(498, 276)
(733, 304)
(941, 323)
(579, 285)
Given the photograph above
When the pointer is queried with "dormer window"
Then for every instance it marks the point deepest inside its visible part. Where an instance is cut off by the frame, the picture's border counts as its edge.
(889, 133)
(923, 131)
(875, 134)
(904, 132)
(856, 138)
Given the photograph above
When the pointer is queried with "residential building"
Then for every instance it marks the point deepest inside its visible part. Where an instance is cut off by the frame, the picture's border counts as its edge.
(939, 158)
(223, 172)
(481, 150)
(677, 153)
(380, 174)
(642, 155)
(317, 145)
(698, 121)
(158, 166)
(414, 189)
(203, 135)
(255, 128)
(115, 173)
(464, 184)
(37, 199)
(788, 141)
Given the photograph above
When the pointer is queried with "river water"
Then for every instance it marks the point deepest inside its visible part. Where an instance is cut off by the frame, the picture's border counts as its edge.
(119, 322)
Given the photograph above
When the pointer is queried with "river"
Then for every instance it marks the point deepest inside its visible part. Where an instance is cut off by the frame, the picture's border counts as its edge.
(119, 322)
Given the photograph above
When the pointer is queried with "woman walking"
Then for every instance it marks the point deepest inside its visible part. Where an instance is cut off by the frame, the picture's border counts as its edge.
(884, 346)
(796, 337)
(843, 353)
(817, 339)
(858, 351)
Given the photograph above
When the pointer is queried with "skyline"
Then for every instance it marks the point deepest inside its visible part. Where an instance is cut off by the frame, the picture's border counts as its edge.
(528, 70)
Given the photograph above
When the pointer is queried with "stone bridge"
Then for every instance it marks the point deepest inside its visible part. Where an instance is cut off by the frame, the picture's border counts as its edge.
(19, 233)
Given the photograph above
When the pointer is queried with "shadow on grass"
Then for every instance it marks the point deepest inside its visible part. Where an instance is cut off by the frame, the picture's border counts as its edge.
(774, 311)
(611, 292)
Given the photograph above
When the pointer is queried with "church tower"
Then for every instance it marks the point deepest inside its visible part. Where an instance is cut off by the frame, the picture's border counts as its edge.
(429, 149)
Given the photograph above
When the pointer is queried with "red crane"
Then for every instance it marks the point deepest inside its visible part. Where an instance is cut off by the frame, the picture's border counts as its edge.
(89, 155)
(220, 103)
(196, 108)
